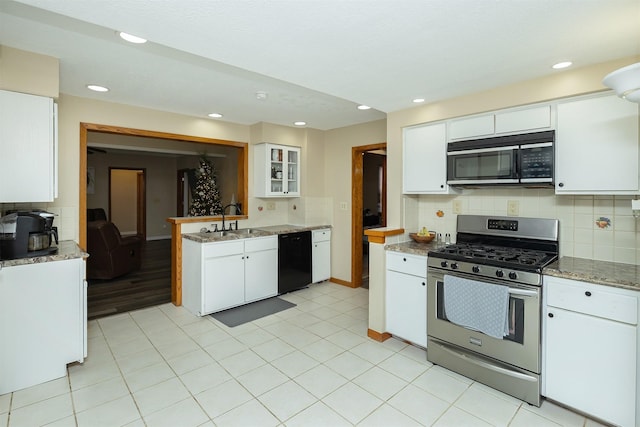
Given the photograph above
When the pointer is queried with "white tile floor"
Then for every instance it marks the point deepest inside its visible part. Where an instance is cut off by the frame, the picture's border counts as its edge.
(311, 365)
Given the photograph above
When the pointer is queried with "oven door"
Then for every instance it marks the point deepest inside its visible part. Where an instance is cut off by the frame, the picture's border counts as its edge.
(494, 165)
(521, 347)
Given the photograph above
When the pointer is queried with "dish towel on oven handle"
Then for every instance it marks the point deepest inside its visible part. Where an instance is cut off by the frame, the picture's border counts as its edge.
(477, 305)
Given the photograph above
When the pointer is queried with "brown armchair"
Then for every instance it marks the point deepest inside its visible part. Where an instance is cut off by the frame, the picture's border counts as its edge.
(110, 254)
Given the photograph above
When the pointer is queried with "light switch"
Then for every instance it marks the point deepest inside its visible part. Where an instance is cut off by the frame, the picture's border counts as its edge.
(513, 208)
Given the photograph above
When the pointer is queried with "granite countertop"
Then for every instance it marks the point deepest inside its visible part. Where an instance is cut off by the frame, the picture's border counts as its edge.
(412, 247)
(626, 276)
(272, 230)
(67, 249)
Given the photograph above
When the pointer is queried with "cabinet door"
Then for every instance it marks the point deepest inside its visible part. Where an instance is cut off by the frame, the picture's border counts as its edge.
(320, 261)
(291, 172)
(261, 275)
(223, 284)
(473, 127)
(597, 147)
(591, 365)
(525, 120)
(27, 146)
(406, 306)
(424, 158)
(42, 322)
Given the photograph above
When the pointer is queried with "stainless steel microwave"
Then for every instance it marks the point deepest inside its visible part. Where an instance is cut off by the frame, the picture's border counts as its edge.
(524, 159)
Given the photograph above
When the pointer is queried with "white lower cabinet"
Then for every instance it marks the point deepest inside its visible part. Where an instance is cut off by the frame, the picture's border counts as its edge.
(225, 274)
(43, 321)
(590, 349)
(320, 255)
(406, 297)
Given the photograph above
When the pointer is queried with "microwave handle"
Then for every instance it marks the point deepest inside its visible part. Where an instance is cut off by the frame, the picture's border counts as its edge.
(538, 145)
(483, 150)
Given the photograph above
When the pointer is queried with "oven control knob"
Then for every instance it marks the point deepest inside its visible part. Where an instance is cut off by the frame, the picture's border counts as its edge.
(475, 269)
(454, 266)
(443, 263)
(513, 275)
(499, 273)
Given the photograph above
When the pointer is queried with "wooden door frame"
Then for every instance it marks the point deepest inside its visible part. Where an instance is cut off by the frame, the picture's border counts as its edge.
(243, 167)
(357, 206)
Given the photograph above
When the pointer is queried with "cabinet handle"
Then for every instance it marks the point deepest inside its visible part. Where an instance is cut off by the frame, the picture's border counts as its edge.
(561, 184)
(588, 293)
(441, 185)
(424, 284)
(404, 259)
(550, 314)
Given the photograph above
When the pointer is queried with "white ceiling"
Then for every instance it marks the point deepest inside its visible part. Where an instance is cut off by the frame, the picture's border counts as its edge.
(316, 59)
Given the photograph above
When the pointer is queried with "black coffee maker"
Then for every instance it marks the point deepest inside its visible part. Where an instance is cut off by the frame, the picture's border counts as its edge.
(27, 234)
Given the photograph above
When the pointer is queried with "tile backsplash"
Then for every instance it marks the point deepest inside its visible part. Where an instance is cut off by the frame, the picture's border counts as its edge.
(593, 227)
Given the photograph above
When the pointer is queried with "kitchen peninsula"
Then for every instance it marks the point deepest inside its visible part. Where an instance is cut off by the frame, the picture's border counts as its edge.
(225, 269)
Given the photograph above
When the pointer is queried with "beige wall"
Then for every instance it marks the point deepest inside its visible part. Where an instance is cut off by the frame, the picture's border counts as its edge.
(124, 198)
(28, 72)
(337, 176)
(160, 189)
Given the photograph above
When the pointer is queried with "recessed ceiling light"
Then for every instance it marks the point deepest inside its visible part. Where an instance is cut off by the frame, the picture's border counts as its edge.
(418, 100)
(561, 65)
(131, 38)
(98, 88)
(363, 107)
(300, 123)
(215, 115)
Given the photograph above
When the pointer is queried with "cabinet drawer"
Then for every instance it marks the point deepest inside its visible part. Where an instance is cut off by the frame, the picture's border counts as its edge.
(261, 244)
(592, 299)
(406, 263)
(321, 235)
(217, 249)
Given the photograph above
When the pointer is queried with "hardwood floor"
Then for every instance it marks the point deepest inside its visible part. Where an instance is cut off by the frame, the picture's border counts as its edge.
(151, 285)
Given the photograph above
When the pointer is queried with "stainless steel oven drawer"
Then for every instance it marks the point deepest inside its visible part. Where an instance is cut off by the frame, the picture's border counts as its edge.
(509, 379)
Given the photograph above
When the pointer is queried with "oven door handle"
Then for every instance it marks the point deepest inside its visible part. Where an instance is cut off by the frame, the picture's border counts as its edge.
(523, 292)
(480, 362)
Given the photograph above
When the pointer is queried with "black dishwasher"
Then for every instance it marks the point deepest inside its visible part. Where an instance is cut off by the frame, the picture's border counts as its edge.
(294, 261)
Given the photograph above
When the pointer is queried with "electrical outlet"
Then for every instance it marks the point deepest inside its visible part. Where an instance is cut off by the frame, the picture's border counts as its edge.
(343, 206)
(271, 206)
(513, 207)
(457, 206)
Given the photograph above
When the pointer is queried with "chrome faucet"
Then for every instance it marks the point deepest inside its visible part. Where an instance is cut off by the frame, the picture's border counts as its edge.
(224, 209)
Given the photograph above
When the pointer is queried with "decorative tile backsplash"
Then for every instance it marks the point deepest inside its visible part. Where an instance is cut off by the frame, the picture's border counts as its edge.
(593, 227)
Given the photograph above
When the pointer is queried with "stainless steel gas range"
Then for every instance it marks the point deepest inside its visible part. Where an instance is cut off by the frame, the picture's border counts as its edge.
(484, 294)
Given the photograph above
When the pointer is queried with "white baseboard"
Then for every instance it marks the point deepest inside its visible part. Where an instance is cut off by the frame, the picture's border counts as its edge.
(168, 236)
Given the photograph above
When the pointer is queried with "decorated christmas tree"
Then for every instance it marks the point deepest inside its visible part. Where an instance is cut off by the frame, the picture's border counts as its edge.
(205, 197)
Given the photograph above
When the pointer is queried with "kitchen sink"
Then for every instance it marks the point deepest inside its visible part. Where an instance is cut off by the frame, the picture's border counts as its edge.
(244, 231)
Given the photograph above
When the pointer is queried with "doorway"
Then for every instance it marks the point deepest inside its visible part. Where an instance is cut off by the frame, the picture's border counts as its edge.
(358, 214)
(127, 201)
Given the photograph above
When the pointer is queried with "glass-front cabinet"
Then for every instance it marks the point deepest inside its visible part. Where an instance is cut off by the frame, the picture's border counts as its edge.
(277, 170)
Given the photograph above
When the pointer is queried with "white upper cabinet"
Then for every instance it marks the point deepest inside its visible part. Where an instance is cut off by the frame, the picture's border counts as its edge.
(28, 146)
(523, 120)
(472, 127)
(424, 157)
(277, 170)
(529, 119)
(597, 146)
